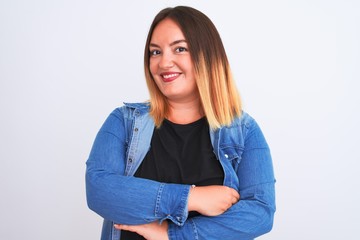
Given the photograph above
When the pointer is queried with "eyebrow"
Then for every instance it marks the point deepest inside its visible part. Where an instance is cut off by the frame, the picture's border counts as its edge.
(171, 44)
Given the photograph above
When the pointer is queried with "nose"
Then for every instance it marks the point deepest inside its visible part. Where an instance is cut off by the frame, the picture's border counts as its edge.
(166, 60)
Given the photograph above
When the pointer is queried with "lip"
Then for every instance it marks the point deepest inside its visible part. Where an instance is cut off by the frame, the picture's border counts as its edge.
(169, 76)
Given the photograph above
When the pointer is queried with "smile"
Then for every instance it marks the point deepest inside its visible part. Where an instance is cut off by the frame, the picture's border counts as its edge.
(168, 77)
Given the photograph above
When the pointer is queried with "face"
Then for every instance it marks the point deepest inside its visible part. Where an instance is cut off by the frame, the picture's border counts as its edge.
(170, 63)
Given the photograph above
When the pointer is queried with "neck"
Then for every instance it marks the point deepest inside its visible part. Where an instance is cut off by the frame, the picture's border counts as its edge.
(185, 112)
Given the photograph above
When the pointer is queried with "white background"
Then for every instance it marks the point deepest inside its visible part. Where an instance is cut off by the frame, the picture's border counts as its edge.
(65, 65)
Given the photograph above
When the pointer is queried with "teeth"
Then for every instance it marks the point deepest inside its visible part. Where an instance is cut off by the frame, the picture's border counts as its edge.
(170, 75)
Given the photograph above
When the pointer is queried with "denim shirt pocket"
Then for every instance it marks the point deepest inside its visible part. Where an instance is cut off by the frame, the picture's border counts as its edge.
(232, 155)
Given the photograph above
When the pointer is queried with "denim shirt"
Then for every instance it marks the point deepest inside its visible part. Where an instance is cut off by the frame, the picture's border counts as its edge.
(118, 197)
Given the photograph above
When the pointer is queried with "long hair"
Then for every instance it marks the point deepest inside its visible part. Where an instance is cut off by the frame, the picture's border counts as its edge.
(219, 97)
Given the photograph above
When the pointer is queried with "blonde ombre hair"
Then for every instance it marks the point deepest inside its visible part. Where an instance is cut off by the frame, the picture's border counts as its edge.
(219, 96)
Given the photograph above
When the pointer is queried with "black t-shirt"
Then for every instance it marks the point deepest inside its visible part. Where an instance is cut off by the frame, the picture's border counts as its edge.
(183, 154)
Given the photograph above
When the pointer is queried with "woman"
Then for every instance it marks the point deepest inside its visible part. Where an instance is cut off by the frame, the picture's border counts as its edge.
(188, 164)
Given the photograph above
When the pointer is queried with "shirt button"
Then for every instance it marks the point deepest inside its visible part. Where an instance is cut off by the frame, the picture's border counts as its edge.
(130, 160)
(136, 129)
(227, 156)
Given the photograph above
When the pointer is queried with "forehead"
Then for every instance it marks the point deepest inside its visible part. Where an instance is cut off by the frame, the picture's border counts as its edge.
(167, 31)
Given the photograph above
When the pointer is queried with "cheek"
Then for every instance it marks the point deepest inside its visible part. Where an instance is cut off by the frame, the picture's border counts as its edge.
(152, 66)
(188, 65)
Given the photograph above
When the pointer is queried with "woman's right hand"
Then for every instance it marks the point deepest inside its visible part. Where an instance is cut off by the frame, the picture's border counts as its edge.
(212, 200)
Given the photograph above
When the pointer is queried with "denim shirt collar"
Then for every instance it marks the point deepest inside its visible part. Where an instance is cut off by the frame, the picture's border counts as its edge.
(140, 131)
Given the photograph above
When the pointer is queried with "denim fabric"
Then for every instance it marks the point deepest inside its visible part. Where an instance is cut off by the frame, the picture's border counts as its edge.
(117, 196)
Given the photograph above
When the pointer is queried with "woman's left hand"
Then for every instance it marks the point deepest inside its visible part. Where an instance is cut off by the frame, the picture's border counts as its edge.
(150, 231)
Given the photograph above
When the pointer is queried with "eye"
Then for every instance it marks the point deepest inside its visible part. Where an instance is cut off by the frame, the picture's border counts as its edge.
(180, 49)
(154, 52)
